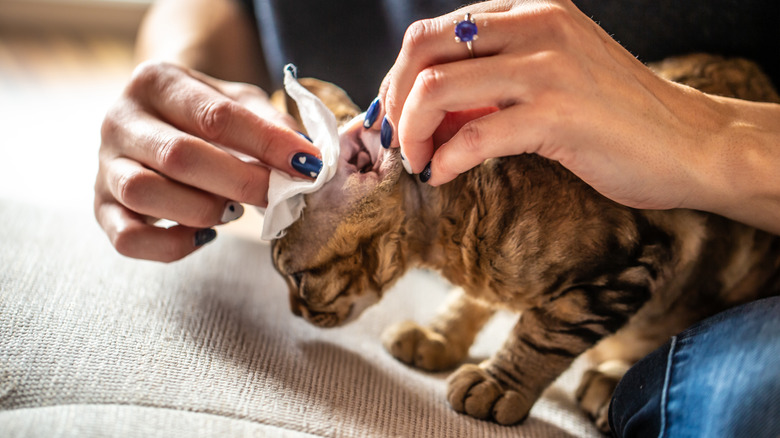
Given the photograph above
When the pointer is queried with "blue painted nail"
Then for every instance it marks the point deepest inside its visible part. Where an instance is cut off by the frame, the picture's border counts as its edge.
(386, 134)
(372, 113)
(204, 236)
(305, 136)
(425, 175)
(307, 164)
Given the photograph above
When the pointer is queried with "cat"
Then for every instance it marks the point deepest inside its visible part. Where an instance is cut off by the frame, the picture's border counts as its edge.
(523, 233)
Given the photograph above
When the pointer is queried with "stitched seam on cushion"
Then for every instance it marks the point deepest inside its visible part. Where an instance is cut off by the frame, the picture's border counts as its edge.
(665, 390)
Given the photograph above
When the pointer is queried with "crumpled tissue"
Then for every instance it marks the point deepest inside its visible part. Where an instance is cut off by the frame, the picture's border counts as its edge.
(285, 193)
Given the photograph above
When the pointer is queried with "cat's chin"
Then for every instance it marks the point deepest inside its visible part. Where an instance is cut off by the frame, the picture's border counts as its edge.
(358, 306)
(337, 318)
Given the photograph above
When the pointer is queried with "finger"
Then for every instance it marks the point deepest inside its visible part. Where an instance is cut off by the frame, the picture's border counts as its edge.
(148, 193)
(432, 42)
(133, 237)
(511, 131)
(192, 161)
(442, 89)
(453, 121)
(253, 98)
(194, 107)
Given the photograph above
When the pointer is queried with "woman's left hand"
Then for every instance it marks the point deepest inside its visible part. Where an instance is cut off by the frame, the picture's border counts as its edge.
(545, 79)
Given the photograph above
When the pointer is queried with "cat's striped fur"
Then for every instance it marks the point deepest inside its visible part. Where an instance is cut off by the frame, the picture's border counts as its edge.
(524, 234)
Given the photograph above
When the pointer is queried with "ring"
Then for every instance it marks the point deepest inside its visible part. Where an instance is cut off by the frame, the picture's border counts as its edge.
(466, 32)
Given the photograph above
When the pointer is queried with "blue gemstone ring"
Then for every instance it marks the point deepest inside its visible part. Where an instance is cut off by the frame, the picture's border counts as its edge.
(466, 32)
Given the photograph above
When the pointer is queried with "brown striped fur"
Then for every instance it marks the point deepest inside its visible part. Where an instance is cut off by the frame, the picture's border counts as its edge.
(522, 233)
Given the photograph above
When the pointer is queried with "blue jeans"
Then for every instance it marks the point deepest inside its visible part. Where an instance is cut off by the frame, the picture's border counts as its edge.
(719, 378)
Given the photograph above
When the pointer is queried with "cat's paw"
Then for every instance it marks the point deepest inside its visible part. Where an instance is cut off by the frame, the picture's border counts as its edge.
(595, 391)
(473, 391)
(420, 347)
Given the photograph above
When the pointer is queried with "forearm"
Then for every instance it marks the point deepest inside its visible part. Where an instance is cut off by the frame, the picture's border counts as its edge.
(213, 36)
(739, 168)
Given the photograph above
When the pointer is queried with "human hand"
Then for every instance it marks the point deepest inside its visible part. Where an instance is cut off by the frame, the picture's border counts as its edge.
(163, 155)
(549, 81)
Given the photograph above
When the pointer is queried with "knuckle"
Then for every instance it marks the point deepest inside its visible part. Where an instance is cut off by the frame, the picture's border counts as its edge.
(125, 241)
(173, 155)
(145, 75)
(471, 137)
(132, 241)
(560, 24)
(429, 81)
(212, 117)
(416, 34)
(249, 189)
(131, 188)
(110, 127)
(444, 164)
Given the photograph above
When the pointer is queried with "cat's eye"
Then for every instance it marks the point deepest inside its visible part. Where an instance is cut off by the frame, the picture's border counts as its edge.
(297, 277)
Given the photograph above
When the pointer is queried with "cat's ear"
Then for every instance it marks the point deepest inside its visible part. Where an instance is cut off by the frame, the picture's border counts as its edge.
(335, 98)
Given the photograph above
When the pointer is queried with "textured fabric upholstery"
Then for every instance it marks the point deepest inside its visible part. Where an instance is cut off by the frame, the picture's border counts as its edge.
(95, 344)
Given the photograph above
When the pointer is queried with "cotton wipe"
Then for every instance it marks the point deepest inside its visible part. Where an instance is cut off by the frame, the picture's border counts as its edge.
(285, 193)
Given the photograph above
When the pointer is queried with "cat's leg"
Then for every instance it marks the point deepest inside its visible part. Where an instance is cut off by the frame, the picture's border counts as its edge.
(542, 345)
(596, 388)
(612, 357)
(445, 342)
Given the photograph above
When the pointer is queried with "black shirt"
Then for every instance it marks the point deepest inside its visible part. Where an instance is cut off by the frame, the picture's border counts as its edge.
(353, 43)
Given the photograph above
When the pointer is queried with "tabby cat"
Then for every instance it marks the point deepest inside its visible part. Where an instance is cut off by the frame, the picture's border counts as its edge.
(523, 233)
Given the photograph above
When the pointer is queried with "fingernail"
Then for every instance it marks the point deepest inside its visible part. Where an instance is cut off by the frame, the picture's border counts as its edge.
(405, 162)
(204, 236)
(307, 164)
(292, 69)
(386, 134)
(372, 113)
(425, 175)
(233, 211)
(305, 136)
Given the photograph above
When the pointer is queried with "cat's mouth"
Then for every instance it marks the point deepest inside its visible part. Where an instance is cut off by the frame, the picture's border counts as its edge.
(332, 317)
(324, 319)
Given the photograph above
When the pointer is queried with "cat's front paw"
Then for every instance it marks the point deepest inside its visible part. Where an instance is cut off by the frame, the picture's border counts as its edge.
(595, 391)
(473, 391)
(421, 347)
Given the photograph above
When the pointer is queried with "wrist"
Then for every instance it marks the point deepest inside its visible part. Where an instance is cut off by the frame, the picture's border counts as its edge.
(738, 173)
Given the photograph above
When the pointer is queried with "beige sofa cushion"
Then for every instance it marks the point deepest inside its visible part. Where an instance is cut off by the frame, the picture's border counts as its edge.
(95, 344)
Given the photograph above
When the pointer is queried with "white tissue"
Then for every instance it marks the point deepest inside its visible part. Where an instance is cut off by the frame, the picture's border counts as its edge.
(285, 193)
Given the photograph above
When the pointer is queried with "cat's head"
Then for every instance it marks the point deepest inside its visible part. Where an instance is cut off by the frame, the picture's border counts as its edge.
(339, 257)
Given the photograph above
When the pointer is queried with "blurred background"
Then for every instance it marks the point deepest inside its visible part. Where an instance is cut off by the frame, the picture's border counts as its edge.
(62, 63)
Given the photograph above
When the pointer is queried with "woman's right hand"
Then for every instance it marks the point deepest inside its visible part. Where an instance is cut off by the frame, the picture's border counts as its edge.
(163, 156)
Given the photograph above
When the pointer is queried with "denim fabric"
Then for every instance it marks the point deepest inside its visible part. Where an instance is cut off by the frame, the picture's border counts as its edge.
(719, 378)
